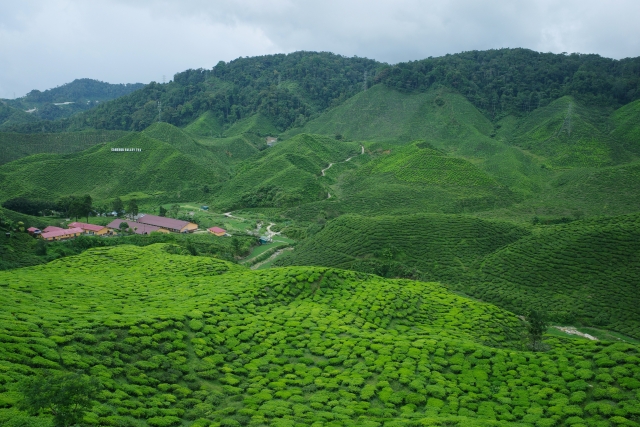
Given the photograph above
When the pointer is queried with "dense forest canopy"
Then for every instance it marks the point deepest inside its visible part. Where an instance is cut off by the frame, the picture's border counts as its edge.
(521, 80)
(289, 89)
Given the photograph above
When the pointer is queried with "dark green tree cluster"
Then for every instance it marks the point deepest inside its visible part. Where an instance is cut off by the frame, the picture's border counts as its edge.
(508, 81)
(288, 89)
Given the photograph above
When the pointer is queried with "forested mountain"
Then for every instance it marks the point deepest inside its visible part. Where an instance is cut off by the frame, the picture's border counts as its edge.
(507, 81)
(287, 89)
(70, 98)
(290, 89)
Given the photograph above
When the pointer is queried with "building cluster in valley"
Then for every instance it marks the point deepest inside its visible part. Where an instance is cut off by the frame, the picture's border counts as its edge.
(144, 224)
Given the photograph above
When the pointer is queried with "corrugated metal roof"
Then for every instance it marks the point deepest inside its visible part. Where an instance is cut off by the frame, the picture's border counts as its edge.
(51, 228)
(61, 232)
(137, 227)
(85, 226)
(217, 230)
(161, 221)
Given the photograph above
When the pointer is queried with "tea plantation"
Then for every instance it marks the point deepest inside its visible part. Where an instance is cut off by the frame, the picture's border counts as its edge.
(426, 246)
(182, 340)
(586, 271)
(158, 167)
(14, 146)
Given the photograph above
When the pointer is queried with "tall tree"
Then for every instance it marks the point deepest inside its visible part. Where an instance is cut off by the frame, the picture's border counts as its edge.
(118, 206)
(536, 326)
(87, 205)
(132, 208)
(67, 396)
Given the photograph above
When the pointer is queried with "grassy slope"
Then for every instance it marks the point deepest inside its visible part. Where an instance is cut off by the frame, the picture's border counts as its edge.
(205, 125)
(583, 271)
(626, 129)
(14, 146)
(292, 168)
(409, 179)
(383, 114)
(567, 134)
(161, 167)
(432, 247)
(195, 341)
(256, 124)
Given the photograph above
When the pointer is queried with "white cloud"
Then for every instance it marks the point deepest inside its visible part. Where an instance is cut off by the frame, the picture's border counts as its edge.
(47, 43)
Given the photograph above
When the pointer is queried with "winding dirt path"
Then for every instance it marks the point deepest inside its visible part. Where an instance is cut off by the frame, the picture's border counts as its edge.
(573, 331)
(270, 233)
(344, 161)
(228, 215)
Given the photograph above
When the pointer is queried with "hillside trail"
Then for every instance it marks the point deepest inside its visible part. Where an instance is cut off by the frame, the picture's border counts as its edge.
(271, 258)
(344, 161)
(573, 331)
(270, 233)
(228, 215)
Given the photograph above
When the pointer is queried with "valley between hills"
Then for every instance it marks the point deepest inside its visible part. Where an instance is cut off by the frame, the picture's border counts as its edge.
(447, 242)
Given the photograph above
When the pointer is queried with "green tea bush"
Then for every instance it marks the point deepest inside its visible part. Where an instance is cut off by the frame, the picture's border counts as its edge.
(177, 339)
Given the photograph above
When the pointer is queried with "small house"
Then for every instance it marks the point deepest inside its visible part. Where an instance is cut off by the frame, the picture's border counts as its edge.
(61, 233)
(217, 231)
(92, 229)
(264, 240)
(33, 231)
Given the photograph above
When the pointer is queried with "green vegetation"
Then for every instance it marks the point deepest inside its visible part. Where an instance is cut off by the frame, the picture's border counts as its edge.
(287, 174)
(14, 146)
(567, 134)
(510, 177)
(178, 168)
(427, 247)
(79, 95)
(296, 345)
(585, 271)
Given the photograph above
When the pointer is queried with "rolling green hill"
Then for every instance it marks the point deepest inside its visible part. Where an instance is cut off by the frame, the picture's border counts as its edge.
(428, 247)
(585, 271)
(14, 146)
(13, 116)
(385, 114)
(160, 168)
(566, 133)
(287, 174)
(181, 340)
(205, 125)
(626, 130)
(409, 179)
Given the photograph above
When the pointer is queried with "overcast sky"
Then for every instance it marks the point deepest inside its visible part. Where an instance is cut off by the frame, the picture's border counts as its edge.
(46, 43)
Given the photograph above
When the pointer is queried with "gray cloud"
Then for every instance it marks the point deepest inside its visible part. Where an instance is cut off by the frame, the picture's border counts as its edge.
(44, 43)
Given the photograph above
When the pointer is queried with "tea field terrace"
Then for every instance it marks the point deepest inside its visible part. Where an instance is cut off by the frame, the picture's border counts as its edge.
(185, 340)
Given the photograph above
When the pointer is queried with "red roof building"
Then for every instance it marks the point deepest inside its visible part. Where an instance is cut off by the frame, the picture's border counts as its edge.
(33, 230)
(62, 234)
(217, 231)
(51, 228)
(90, 228)
(136, 227)
(175, 225)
